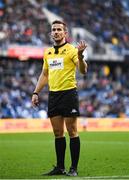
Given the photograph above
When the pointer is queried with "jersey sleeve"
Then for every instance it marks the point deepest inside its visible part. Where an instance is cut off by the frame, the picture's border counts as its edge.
(74, 55)
(45, 64)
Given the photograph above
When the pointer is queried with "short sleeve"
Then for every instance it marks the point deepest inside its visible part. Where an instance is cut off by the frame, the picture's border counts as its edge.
(45, 64)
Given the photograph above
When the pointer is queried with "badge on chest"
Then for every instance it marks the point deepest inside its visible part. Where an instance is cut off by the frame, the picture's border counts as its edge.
(56, 63)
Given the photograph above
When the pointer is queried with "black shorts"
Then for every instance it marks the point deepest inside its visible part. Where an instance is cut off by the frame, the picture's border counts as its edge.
(64, 103)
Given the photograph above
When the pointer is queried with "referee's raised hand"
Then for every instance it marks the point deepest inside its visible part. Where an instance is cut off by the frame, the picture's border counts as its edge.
(81, 46)
(82, 65)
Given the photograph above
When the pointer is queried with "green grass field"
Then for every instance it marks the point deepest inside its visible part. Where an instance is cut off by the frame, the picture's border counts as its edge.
(104, 155)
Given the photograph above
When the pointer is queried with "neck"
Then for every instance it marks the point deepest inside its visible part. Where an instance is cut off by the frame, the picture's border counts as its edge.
(59, 43)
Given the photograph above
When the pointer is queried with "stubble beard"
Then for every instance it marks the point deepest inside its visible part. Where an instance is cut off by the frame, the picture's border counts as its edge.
(58, 42)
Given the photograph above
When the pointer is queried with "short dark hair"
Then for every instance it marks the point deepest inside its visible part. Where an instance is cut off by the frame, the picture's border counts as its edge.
(60, 22)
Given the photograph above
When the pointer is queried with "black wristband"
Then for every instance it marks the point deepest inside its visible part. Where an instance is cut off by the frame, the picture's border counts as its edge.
(80, 56)
(35, 93)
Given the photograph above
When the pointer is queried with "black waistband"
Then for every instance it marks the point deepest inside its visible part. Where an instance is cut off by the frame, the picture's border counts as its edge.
(67, 90)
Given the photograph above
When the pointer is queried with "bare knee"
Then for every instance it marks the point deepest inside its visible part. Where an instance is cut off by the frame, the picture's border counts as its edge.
(58, 133)
(71, 125)
(72, 131)
(58, 126)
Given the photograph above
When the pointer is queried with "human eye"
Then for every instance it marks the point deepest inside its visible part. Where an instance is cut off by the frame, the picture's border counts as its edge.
(59, 29)
(53, 29)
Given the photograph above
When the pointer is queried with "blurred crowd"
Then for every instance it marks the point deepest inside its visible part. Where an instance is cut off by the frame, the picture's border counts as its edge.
(24, 22)
(108, 20)
(17, 83)
(103, 92)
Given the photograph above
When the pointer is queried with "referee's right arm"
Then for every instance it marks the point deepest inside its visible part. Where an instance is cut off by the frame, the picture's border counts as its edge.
(42, 81)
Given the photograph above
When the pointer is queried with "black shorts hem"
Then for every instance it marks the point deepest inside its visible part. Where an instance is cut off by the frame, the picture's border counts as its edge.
(63, 115)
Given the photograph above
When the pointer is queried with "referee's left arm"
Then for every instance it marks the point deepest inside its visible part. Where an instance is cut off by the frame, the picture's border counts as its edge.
(82, 65)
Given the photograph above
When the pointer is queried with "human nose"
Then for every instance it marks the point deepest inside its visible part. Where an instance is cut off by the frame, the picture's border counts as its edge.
(56, 32)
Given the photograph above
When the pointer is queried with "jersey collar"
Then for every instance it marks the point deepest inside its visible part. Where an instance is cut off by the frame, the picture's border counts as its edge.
(57, 47)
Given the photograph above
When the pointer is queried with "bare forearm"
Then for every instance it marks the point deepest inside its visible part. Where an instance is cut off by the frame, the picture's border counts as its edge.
(42, 81)
(82, 65)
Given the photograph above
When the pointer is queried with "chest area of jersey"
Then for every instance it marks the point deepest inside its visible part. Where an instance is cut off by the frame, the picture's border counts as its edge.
(56, 63)
(60, 61)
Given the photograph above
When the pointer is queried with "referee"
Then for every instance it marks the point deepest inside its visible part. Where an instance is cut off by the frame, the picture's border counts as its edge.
(59, 69)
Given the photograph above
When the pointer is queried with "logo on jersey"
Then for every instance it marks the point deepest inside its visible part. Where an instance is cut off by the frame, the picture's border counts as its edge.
(56, 63)
(63, 52)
